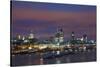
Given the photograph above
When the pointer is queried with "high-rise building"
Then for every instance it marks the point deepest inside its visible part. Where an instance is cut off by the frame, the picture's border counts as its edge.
(59, 36)
(85, 38)
(31, 35)
(23, 38)
(18, 37)
(73, 36)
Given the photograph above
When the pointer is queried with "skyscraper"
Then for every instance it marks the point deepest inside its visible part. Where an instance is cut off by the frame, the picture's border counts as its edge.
(31, 35)
(85, 38)
(59, 36)
(73, 36)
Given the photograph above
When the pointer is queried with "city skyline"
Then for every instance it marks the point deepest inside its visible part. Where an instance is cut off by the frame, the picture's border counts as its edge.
(52, 33)
(44, 18)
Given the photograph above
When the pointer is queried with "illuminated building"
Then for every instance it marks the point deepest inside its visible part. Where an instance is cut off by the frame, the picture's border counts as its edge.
(59, 36)
(31, 35)
(85, 38)
(23, 38)
(18, 37)
(73, 36)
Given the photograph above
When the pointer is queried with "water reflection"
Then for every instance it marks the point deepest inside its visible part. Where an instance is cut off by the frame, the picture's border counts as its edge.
(41, 61)
(36, 59)
(68, 59)
(29, 60)
(58, 61)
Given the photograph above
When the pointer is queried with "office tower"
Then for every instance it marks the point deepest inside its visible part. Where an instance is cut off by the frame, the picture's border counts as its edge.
(85, 38)
(59, 36)
(73, 36)
(31, 35)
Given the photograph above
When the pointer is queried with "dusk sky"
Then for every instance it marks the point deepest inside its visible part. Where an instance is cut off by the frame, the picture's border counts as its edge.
(44, 18)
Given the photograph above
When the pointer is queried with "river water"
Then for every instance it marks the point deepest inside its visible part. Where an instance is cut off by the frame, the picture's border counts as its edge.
(34, 59)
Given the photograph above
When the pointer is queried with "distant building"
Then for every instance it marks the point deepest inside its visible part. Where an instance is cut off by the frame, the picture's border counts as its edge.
(59, 36)
(85, 38)
(31, 35)
(18, 37)
(73, 36)
(23, 38)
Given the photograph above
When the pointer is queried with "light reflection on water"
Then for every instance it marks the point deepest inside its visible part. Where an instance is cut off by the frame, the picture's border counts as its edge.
(58, 61)
(36, 59)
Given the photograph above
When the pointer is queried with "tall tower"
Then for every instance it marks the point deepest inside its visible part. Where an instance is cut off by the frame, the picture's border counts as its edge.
(73, 36)
(59, 36)
(85, 38)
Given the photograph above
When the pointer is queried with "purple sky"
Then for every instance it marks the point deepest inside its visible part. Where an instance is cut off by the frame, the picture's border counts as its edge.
(44, 18)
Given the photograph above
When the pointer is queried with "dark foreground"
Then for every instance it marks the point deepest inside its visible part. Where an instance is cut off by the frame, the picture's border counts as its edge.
(36, 59)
